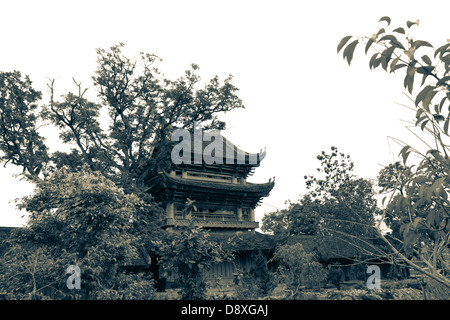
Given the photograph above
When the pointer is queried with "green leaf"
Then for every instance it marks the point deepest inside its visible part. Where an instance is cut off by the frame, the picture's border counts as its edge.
(381, 31)
(410, 53)
(377, 62)
(387, 57)
(399, 66)
(441, 50)
(410, 237)
(409, 24)
(404, 203)
(427, 100)
(422, 190)
(384, 63)
(423, 93)
(409, 79)
(425, 70)
(442, 81)
(372, 60)
(383, 60)
(394, 64)
(426, 59)
(404, 229)
(424, 77)
(404, 152)
(399, 30)
(389, 53)
(343, 42)
(436, 109)
(348, 52)
(417, 221)
(420, 119)
(441, 104)
(446, 59)
(368, 44)
(430, 221)
(385, 18)
(422, 126)
(421, 43)
(419, 112)
(383, 201)
(397, 44)
(437, 186)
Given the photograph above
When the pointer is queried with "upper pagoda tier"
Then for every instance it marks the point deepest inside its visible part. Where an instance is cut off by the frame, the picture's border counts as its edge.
(208, 151)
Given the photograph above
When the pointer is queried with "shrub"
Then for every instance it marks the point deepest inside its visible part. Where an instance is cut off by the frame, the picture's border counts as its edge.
(335, 275)
(298, 269)
(188, 253)
(126, 286)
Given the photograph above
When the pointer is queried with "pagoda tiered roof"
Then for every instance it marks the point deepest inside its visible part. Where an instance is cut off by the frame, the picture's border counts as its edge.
(250, 193)
(163, 179)
(232, 161)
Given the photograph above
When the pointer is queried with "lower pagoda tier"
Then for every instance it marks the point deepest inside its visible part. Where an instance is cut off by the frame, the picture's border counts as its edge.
(208, 200)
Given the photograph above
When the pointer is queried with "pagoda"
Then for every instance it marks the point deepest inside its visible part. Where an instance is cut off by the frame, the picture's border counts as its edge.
(207, 185)
(201, 181)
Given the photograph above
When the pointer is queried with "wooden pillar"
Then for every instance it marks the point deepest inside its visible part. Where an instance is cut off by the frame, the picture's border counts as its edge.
(170, 210)
(252, 215)
(239, 213)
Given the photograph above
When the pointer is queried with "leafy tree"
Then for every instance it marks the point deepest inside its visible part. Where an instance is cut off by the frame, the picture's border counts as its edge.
(299, 218)
(342, 205)
(338, 204)
(32, 273)
(91, 197)
(276, 223)
(393, 179)
(298, 269)
(256, 282)
(20, 142)
(336, 169)
(142, 106)
(189, 253)
(339, 209)
(76, 218)
(305, 216)
(421, 197)
(336, 275)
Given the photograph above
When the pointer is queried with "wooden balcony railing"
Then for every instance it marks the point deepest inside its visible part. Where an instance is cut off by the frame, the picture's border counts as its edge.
(213, 222)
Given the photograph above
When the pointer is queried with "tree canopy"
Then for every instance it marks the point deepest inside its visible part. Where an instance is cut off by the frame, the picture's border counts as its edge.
(90, 207)
(77, 218)
(338, 208)
(142, 107)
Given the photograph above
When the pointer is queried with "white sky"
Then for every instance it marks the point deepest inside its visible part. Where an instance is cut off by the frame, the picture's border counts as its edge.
(300, 96)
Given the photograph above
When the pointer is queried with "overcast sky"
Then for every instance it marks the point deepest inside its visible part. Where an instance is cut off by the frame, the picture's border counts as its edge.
(300, 96)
